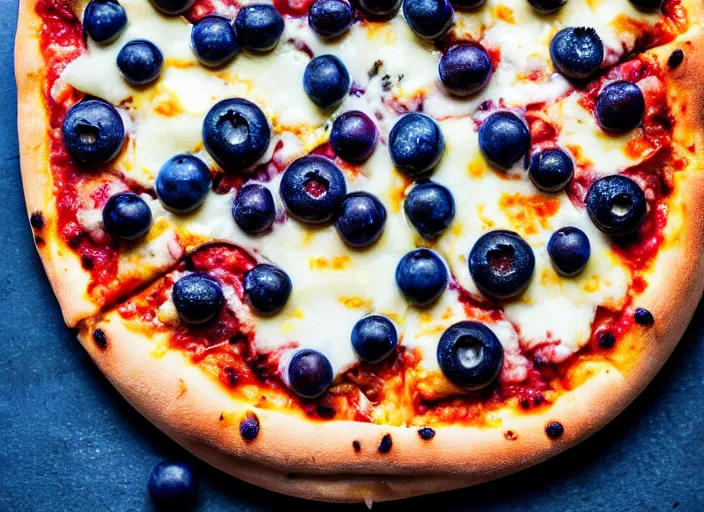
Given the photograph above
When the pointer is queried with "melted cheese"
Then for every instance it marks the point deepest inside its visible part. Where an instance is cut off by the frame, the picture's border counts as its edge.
(333, 285)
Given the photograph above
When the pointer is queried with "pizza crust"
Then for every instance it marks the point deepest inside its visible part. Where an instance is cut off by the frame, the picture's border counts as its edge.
(316, 460)
(63, 267)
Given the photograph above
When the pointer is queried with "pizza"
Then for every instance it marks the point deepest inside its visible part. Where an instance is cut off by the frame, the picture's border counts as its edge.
(360, 252)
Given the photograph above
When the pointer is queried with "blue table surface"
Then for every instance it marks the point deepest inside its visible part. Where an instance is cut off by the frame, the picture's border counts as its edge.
(70, 442)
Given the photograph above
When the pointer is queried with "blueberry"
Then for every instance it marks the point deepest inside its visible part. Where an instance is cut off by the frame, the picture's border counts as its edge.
(647, 4)
(577, 52)
(501, 264)
(140, 62)
(312, 188)
(421, 276)
(254, 209)
(93, 132)
(360, 219)
(429, 19)
(309, 373)
(379, 8)
(353, 136)
(551, 169)
(182, 183)
(416, 144)
(470, 355)
(127, 216)
(504, 139)
(465, 69)
(236, 133)
(569, 250)
(620, 107)
(173, 7)
(197, 297)
(468, 4)
(326, 81)
(374, 337)
(173, 485)
(430, 208)
(214, 41)
(547, 6)
(330, 18)
(104, 20)
(267, 289)
(259, 27)
(643, 317)
(616, 205)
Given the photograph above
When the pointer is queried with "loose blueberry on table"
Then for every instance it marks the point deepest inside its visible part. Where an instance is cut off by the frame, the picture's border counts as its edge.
(127, 216)
(311, 188)
(360, 219)
(429, 19)
(104, 20)
(266, 289)
(259, 27)
(430, 208)
(197, 297)
(374, 337)
(470, 355)
(416, 144)
(326, 81)
(93, 132)
(182, 183)
(140, 62)
(330, 18)
(214, 41)
(465, 69)
(421, 276)
(501, 264)
(309, 373)
(236, 133)
(254, 209)
(173, 485)
(353, 136)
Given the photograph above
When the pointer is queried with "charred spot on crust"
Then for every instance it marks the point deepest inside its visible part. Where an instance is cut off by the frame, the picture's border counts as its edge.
(510, 435)
(37, 220)
(426, 433)
(291, 475)
(222, 417)
(249, 427)
(99, 338)
(675, 59)
(356, 446)
(385, 444)
(643, 317)
(606, 339)
(554, 430)
(39, 241)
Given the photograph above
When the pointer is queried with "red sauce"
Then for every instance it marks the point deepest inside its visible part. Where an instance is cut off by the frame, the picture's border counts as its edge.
(294, 8)
(203, 8)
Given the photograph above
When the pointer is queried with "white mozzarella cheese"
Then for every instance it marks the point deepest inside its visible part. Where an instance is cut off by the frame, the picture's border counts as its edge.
(333, 285)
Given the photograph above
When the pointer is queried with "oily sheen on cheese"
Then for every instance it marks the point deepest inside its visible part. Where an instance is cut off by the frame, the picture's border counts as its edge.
(392, 71)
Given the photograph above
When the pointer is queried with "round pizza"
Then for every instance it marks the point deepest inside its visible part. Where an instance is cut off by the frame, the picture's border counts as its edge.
(365, 251)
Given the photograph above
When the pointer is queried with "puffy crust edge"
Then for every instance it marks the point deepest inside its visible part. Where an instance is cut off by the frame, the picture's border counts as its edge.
(63, 267)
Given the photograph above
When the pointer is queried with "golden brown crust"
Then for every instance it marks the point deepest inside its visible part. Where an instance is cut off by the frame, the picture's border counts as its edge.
(62, 266)
(316, 460)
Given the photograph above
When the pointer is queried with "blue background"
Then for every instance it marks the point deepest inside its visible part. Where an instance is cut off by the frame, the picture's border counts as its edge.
(70, 442)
